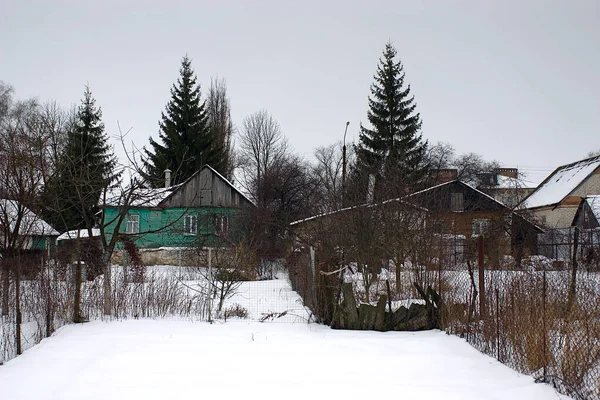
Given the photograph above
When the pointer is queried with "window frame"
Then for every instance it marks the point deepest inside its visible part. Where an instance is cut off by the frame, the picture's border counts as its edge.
(221, 223)
(190, 225)
(482, 224)
(132, 221)
(457, 201)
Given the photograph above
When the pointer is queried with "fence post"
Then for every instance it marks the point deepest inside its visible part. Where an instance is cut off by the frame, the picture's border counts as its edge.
(480, 262)
(544, 338)
(572, 289)
(498, 325)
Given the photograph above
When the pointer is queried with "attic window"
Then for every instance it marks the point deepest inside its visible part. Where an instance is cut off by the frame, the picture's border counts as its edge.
(457, 202)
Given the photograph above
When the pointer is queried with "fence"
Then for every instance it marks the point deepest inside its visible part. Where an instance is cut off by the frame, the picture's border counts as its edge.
(39, 296)
(540, 317)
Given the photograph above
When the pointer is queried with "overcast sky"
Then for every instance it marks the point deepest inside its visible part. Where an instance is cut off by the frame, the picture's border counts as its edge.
(516, 81)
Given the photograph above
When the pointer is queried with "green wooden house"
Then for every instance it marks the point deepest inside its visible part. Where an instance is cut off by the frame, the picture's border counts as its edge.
(206, 210)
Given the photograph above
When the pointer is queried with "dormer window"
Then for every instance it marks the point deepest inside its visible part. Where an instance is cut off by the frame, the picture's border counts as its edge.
(457, 202)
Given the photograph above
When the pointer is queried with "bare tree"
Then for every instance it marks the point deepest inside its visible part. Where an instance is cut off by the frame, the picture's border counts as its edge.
(470, 165)
(261, 146)
(327, 172)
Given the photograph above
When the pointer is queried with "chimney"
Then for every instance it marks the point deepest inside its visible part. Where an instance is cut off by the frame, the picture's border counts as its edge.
(371, 189)
(444, 175)
(508, 172)
(167, 178)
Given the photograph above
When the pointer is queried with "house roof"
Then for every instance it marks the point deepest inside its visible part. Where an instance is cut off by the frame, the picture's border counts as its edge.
(216, 173)
(454, 182)
(79, 234)
(400, 200)
(31, 223)
(142, 197)
(153, 197)
(562, 182)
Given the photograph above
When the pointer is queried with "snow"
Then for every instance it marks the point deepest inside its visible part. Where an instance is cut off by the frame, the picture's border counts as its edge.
(31, 223)
(561, 182)
(178, 358)
(81, 233)
(160, 359)
(142, 197)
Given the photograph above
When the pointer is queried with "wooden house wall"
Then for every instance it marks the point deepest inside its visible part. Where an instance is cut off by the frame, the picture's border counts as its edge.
(206, 189)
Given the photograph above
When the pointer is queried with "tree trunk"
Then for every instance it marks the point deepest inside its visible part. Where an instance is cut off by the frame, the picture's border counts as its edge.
(77, 299)
(18, 307)
(5, 285)
(107, 284)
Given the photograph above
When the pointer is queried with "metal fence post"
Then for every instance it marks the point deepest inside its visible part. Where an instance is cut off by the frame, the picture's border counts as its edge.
(480, 262)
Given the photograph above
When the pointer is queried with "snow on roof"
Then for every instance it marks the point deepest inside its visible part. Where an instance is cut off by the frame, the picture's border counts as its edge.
(594, 203)
(561, 183)
(141, 197)
(31, 223)
(81, 233)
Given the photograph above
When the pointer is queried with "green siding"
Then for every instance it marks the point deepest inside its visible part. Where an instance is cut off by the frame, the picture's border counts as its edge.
(170, 225)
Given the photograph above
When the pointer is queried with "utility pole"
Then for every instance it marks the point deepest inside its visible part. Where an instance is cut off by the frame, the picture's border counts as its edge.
(344, 158)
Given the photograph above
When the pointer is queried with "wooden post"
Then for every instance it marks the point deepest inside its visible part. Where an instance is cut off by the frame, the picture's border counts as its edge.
(480, 262)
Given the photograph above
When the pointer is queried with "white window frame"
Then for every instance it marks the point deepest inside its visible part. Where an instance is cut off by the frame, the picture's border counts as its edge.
(190, 225)
(221, 223)
(133, 223)
(479, 226)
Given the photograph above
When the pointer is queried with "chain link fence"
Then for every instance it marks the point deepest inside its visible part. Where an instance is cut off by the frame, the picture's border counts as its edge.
(540, 316)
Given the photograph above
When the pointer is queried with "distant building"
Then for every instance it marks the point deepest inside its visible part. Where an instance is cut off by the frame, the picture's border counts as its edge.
(505, 185)
(556, 200)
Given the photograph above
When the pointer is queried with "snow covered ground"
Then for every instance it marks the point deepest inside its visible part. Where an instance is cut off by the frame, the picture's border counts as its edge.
(173, 359)
(179, 359)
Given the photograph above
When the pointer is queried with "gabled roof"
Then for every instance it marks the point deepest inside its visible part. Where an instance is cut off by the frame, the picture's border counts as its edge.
(216, 173)
(561, 183)
(366, 205)
(31, 223)
(154, 197)
(454, 182)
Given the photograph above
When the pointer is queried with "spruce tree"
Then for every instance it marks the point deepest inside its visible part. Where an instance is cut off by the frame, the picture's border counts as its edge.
(392, 150)
(186, 140)
(86, 168)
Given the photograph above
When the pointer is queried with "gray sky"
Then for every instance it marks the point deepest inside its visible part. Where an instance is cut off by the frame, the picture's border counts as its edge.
(516, 81)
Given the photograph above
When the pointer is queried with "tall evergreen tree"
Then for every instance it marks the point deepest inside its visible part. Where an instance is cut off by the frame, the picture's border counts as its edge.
(186, 140)
(218, 109)
(86, 168)
(392, 150)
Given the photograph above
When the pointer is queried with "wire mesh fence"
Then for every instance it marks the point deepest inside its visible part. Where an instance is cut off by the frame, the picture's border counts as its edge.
(539, 316)
(41, 298)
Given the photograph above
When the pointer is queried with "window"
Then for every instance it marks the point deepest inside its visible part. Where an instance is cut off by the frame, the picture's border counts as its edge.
(221, 223)
(479, 226)
(457, 202)
(133, 223)
(190, 225)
